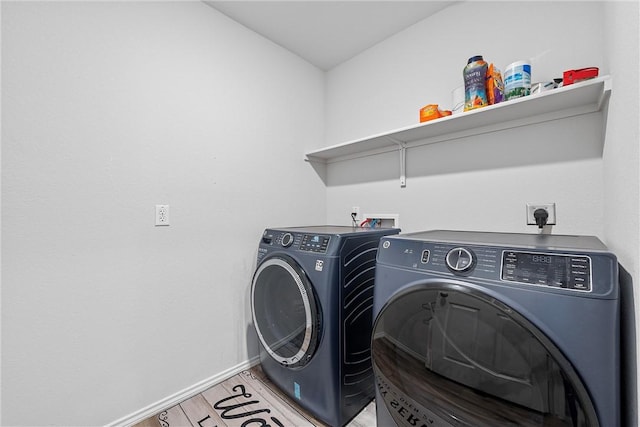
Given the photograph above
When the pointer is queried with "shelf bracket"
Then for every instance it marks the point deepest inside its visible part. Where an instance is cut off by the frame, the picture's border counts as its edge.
(604, 96)
(402, 150)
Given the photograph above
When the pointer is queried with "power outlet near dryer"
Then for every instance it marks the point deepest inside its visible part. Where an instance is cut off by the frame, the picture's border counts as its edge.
(550, 208)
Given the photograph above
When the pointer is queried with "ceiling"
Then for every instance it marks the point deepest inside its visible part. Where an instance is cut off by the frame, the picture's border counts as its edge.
(327, 33)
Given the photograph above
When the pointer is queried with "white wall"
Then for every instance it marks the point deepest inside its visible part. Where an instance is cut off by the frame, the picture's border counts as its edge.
(461, 185)
(108, 109)
(111, 108)
(622, 177)
(479, 183)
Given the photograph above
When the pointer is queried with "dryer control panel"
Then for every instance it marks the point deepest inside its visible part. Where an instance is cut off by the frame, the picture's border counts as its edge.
(538, 268)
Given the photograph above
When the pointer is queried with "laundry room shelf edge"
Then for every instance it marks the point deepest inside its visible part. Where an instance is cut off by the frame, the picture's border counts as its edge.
(579, 98)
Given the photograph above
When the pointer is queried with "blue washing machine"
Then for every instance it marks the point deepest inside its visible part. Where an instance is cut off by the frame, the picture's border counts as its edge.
(311, 301)
(493, 329)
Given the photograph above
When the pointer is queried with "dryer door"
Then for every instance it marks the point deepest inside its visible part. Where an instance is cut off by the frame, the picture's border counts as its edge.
(447, 355)
(285, 311)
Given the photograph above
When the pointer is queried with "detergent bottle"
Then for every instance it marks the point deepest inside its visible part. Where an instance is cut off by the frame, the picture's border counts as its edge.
(475, 92)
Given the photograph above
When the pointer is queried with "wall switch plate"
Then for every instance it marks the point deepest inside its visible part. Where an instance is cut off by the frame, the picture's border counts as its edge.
(162, 214)
(549, 207)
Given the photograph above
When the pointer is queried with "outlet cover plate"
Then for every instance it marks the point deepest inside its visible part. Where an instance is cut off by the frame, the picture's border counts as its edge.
(549, 207)
(162, 215)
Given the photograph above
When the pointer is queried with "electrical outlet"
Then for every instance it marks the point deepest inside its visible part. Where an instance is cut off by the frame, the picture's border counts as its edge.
(162, 214)
(549, 207)
(355, 210)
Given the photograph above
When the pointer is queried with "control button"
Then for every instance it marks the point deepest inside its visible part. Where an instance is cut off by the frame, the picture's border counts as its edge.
(287, 240)
(459, 259)
(425, 256)
(267, 238)
(579, 286)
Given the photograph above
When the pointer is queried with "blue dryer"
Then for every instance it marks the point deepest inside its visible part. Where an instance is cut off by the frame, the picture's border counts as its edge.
(493, 329)
(312, 307)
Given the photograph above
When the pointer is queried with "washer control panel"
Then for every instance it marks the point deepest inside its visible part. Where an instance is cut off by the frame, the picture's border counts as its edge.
(304, 242)
(562, 271)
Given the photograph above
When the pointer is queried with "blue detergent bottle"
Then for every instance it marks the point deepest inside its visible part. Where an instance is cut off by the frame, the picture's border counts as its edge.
(475, 91)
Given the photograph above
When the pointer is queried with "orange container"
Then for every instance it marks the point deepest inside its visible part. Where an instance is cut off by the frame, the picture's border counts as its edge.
(429, 112)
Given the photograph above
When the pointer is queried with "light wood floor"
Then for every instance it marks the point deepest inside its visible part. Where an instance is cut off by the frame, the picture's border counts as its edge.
(248, 397)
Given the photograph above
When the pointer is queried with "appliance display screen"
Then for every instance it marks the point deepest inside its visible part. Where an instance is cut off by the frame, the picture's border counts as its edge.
(314, 243)
(560, 271)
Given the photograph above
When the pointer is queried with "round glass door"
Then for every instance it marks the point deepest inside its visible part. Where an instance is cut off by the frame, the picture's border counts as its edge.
(285, 312)
(446, 355)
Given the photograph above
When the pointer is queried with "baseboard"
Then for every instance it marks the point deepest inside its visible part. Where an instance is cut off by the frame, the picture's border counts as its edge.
(182, 395)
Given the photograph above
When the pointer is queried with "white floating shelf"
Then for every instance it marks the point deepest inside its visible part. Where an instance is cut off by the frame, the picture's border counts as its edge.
(580, 98)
